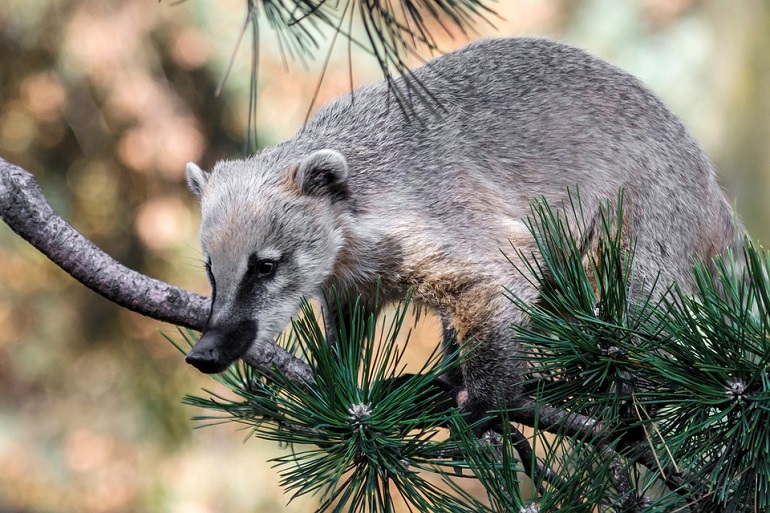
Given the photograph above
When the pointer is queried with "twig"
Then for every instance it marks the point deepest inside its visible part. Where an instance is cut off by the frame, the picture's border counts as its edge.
(629, 499)
(494, 440)
(675, 480)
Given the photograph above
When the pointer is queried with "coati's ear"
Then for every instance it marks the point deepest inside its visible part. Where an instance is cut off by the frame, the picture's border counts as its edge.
(323, 172)
(196, 178)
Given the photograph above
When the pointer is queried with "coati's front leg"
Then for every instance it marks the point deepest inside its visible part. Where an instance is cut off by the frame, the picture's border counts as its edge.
(493, 367)
(490, 376)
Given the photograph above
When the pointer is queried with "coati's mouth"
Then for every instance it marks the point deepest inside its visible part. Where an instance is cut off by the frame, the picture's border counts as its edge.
(220, 346)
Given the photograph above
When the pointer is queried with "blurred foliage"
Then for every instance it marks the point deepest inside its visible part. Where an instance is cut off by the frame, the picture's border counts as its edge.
(104, 101)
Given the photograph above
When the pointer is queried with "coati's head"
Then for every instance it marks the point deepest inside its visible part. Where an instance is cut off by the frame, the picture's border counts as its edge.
(270, 236)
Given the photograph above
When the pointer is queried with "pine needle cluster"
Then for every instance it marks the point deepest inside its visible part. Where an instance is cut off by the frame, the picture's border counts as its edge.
(362, 434)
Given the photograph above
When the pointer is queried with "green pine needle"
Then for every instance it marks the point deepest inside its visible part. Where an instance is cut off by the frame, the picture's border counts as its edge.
(716, 413)
(390, 32)
(357, 437)
(688, 372)
(587, 334)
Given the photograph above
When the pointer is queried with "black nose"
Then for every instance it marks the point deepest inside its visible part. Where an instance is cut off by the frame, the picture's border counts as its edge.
(222, 345)
(206, 363)
(207, 355)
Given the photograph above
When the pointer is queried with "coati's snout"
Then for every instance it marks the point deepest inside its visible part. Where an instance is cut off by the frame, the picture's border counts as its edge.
(220, 347)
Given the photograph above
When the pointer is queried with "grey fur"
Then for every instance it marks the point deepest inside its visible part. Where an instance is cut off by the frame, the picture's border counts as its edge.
(429, 200)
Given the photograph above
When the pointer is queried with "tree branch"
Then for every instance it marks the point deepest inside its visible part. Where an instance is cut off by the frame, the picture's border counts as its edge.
(555, 420)
(25, 210)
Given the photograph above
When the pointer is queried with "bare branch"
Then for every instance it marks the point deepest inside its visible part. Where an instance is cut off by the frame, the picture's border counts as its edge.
(555, 420)
(272, 356)
(26, 211)
(541, 473)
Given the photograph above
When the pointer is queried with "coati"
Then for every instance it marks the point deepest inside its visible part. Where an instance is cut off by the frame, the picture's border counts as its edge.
(431, 200)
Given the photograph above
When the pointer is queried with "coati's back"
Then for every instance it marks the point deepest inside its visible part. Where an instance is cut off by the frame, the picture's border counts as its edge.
(503, 121)
(427, 197)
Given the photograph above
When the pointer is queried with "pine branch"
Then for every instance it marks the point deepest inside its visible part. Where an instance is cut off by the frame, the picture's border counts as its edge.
(390, 32)
(359, 431)
(25, 210)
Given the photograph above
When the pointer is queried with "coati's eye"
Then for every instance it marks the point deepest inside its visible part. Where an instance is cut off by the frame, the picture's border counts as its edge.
(266, 268)
(261, 267)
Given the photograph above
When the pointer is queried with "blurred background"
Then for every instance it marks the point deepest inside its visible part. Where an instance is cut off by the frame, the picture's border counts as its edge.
(104, 102)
